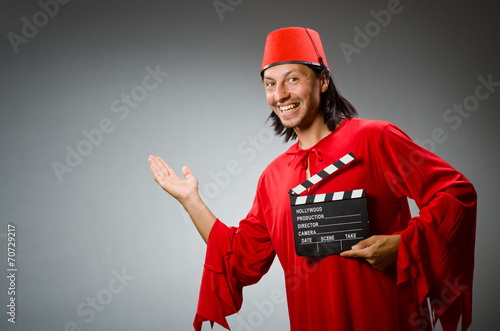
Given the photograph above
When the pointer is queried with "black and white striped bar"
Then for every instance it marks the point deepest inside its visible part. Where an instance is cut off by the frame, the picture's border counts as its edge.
(322, 174)
(336, 196)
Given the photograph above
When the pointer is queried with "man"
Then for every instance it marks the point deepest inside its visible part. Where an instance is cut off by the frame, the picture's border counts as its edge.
(385, 282)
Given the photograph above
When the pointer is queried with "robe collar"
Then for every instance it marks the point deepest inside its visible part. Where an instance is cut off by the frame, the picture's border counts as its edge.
(300, 156)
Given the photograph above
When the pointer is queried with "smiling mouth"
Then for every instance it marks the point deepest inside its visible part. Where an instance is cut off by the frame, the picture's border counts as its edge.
(288, 109)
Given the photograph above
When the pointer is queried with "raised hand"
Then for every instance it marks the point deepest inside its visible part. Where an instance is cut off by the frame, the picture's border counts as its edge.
(181, 189)
(185, 191)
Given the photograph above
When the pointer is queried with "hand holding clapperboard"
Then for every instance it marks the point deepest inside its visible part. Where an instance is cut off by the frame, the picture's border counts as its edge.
(328, 223)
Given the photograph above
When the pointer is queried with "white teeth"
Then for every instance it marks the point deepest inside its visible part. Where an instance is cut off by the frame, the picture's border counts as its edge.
(289, 108)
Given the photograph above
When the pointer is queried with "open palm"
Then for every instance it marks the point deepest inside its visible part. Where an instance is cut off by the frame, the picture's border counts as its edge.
(179, 188)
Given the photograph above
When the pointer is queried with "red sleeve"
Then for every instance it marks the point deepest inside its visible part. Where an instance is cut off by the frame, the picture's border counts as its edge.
(235, 257)
(436, 251)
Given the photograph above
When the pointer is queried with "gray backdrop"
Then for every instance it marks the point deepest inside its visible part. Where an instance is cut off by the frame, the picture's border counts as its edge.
(89, 89)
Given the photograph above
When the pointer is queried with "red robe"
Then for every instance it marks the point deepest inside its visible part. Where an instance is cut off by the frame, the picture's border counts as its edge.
(435, 255)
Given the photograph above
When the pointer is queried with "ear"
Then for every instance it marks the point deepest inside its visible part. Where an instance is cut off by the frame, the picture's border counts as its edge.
(324, 81)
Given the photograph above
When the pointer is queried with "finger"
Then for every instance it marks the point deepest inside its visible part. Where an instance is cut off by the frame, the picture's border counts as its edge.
(151, 159)
(165, 167)
(350, 253)
(158, 177)
(157, 168)
(361, 249)
(362, 253)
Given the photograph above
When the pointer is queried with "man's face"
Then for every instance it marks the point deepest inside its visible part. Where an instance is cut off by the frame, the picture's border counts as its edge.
(294, 93)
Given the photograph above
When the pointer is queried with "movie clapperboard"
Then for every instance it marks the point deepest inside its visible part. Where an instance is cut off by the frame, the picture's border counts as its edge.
(329, 223)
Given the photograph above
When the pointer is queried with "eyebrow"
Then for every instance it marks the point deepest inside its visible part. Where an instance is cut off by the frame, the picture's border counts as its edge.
(286, 74)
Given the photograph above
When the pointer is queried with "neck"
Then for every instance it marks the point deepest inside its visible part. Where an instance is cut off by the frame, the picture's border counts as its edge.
(312, 135)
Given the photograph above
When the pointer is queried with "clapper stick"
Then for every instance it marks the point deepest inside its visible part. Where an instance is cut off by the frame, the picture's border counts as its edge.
(322, 174)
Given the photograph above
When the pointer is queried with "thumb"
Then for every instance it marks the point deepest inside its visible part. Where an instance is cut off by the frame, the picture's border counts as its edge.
(363, 243)
(187, 172)
(358, 250)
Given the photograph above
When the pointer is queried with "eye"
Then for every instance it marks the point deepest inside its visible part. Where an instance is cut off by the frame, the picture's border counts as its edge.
(269, 84)
(293, 79)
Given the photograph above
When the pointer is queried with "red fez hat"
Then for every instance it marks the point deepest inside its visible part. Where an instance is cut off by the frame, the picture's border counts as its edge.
(293, 45)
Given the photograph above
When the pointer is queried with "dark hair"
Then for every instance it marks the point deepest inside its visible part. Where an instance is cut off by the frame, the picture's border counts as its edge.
(334, 107)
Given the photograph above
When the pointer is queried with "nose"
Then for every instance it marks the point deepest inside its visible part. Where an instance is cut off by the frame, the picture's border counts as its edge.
(281, 93)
